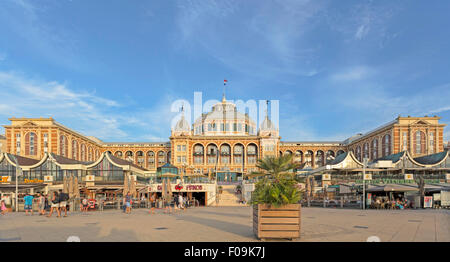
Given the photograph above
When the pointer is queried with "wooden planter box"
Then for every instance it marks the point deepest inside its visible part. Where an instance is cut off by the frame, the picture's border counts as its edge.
(271, 222)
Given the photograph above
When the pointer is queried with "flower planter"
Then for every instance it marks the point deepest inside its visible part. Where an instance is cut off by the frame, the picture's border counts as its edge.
(281, 222)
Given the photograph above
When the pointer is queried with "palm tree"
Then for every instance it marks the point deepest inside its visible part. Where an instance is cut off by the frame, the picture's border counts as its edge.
(277, 186)
(276, 167)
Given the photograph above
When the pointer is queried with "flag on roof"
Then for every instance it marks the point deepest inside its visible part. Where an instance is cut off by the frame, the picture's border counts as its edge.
(225, 82)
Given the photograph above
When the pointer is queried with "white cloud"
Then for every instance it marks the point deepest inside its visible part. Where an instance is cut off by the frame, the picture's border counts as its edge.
(362, 31)
(354, 73)
(81, 110)
(271, 35)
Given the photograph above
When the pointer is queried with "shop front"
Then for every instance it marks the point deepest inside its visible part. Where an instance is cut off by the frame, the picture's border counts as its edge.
(202, 194)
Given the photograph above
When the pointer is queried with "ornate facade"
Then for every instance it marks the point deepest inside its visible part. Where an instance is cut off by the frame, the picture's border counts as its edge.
(224, 141)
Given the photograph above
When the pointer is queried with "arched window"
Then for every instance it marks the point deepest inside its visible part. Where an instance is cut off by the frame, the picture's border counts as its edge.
(225, 154)
(420, 143)
(90, 154)
(238, 153)
(340, 152)
(151, 159)
(74, 149)
(161, 158)
(30, 144)
(330, 156)
(366, 150)
(358, 153)
(129, 156)
(298, 156)
(374, 151)
(319, 161)
(198, 154)
(140, 158)
(83, 152)
(212, 153)
(252, 153)
(308, 158)
(386, 145)
(63, 146)
(118, 154)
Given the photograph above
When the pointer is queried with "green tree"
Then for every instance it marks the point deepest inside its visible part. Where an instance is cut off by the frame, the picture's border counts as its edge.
(277, 185)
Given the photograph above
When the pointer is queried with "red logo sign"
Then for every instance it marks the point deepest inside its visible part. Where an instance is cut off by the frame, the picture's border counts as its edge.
(178, 187)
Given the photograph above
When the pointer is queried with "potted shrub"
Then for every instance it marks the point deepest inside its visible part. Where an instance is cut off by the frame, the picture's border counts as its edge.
(275, 200)
(220, 189)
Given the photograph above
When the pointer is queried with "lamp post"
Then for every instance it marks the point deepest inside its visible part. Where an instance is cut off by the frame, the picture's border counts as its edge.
(364, 183)
(18, 171)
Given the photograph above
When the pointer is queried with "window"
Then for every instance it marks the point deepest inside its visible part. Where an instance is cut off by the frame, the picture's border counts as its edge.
(45, 142)
(431, 142)
(420, 142)
(239, 127)
(405, 141)
(18, 144)
(234, 127)
(183, 148)
(178, 148)
(386, 145)
(374, 149)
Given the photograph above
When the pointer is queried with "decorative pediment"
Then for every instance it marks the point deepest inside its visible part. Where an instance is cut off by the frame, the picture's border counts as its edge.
(421, 123)
(29, 124)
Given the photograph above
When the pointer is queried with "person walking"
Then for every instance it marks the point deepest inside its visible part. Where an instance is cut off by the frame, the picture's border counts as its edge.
(175, 203)
(152, 203)
(63, 197)
(128, 202)
(167, 201)
(28, 203)
(3, 208)
(84, 204)
(180, 202)
(55, 204)
(41, 204)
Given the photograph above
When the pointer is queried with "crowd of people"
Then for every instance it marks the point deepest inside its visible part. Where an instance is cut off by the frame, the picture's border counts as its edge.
(385, 203)
(58, 202)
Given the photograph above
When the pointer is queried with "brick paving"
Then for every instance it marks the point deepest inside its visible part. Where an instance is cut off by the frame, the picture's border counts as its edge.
(226, 224)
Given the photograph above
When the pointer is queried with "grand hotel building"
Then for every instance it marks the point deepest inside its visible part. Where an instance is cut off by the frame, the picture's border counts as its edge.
(223, 140)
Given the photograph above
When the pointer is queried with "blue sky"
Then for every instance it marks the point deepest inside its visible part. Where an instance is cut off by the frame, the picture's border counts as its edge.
(111, 69)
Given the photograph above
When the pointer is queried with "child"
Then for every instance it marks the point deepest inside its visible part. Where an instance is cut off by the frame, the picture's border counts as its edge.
(3, 207)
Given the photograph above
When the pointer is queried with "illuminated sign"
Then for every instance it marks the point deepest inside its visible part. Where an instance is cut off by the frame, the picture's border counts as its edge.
(326, 177)
(33, 181)
(5, 179)
(187, 188)
(368, 177)
(409, 176)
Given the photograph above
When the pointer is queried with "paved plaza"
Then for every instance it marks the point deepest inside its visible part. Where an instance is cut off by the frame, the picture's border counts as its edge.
(226, 224)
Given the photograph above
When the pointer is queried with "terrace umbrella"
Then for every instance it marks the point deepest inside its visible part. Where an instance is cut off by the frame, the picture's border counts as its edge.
(163, 190)
(125, 184)
(133, 187)
(169, 191)
(70, 185)
(65, 185)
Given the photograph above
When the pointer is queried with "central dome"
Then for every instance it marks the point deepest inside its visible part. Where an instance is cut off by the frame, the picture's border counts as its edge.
(224, 119)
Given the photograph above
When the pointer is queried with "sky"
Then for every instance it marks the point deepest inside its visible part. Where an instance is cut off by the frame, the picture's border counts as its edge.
(112, 69)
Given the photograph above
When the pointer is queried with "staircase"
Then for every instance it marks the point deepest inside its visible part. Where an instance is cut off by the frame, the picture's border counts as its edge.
(228, 196)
